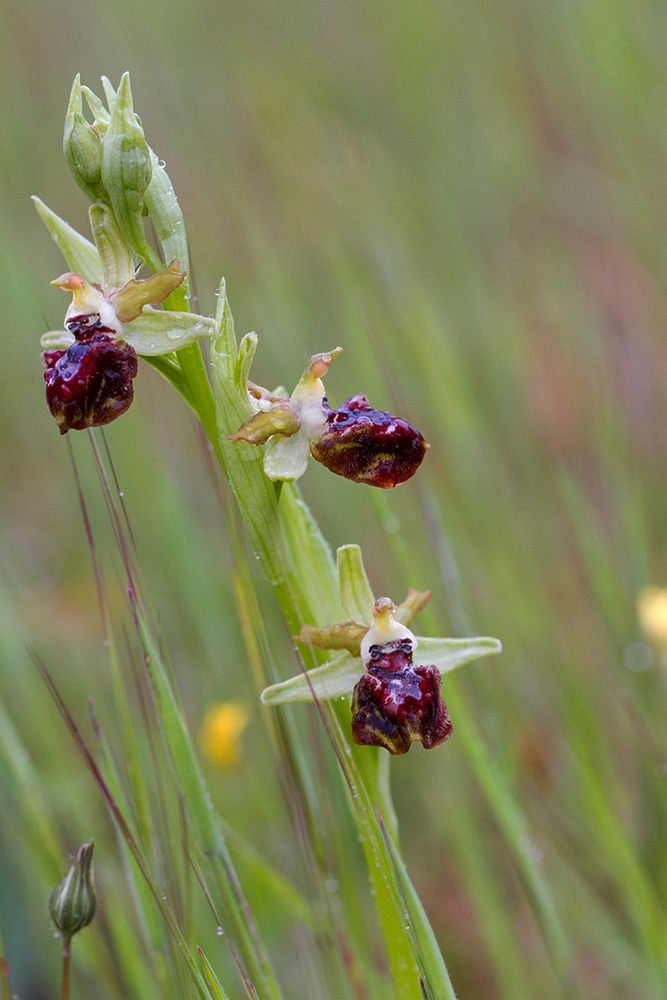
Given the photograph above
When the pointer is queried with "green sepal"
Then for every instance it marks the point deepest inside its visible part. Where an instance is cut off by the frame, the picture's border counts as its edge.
(286, 459)
(280, 419)
(158, 331)
(109, 91)
(449, 654)
(334, 679)
(114, 252)
(56, 340)
(355, 591)
(97, 110)
(339, 675)
(80, 253)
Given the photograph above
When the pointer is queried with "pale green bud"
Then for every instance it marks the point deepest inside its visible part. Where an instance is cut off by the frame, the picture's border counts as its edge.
(72, 905)
(127, 171)
(82, 147)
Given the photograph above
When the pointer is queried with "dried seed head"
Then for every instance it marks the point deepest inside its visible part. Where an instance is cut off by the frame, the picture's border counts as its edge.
(72, 905)
(369, 446)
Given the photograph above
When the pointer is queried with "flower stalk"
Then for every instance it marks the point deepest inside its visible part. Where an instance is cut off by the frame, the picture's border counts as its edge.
(263, 442)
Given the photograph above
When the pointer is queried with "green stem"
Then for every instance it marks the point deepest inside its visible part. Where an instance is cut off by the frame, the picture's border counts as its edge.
(67, 950)
(302, 592)
(260, 504)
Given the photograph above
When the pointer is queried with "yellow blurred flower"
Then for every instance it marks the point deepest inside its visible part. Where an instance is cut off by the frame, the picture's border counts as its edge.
(652, 611)
(220, 733)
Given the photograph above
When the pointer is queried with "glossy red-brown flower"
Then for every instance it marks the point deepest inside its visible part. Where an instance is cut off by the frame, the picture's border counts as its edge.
(396, 703)
(368, 445)
(90, 383)
(355, 441)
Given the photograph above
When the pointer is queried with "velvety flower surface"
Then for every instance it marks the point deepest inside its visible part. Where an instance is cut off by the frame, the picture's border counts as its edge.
(90, 383)
(368, 445)
(396, 703)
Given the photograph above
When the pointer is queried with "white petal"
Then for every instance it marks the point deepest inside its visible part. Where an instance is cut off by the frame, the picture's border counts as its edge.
(448, 654)
(287, 458)
(334, 679)
(158, 331)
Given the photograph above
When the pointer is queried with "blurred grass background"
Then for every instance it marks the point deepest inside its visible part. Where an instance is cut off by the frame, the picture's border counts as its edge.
(469, 199)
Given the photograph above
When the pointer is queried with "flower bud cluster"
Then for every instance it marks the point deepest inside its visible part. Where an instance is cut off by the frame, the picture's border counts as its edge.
(110, 158)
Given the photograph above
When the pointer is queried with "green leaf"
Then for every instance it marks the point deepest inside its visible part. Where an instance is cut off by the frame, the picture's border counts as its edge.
(333, 679)
(448, 654)
(310, 558)
(80, 254)
(158, 331)
(437, 983)
(214, 984)
(355, 591)
(167, 218)
(225, 344)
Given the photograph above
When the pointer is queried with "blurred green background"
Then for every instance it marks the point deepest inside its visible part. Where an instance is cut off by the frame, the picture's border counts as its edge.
(469, 198)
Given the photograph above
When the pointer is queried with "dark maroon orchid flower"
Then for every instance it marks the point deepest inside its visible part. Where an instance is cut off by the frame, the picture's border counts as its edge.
(355, 441)
(90, 383)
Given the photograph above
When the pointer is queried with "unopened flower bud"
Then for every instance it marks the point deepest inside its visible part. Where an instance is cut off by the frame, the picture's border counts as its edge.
(368, 446)
(72, 905)
(127, 170)
(83, 147)
(396, 703)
